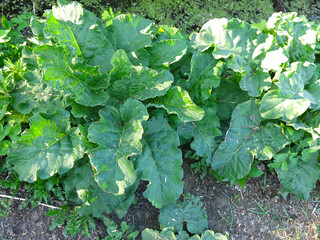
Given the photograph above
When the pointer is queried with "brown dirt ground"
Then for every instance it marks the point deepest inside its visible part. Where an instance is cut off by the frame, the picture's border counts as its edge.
(258, 212)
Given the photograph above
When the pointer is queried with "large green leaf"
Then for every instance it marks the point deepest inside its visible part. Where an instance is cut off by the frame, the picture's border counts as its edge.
(301, 174)
(165, 52)
(122, 66)
(211, 33)
(4, 102)
(178, 101)
(160, 163)
(118, 134)
(74, 26)
(94, 200)
(33, 95)
(227, 37)
(203, 133)
(295, 34)
(204, 75)
(290, 100)
(127, 32)
(50, 146)
(274, 59)
(189, 211)
(82, 82)
(144, 83)
(243, 47)
(245, 139)
(226, 101)
(276, 104)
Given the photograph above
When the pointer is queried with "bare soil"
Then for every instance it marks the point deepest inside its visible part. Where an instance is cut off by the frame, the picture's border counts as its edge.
(258, 212)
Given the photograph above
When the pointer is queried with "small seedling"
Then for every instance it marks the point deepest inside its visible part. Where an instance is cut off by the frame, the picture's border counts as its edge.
(5, 207)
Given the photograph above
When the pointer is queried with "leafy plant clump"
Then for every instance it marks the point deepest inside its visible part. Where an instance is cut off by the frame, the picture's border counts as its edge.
(106, 105)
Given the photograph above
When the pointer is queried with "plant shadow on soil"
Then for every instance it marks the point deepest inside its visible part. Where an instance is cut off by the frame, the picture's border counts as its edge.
(256, 212)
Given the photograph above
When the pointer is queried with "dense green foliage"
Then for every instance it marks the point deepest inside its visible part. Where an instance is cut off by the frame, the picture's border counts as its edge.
(107, 105)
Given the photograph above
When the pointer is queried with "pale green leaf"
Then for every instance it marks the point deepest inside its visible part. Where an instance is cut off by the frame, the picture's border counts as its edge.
(127, 32)
(50, 146)
(144, 83)
(178, 101)
(74, 26)
(166, 52)
(274, 60)
(82, 82)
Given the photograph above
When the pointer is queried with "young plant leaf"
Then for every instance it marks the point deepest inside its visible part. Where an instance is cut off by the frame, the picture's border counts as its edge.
(301, 175)
(94, 200)
(189, 211)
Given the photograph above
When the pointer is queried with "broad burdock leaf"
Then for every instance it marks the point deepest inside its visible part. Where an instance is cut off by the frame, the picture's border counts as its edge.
(178, 101)
(144, 83)
(314, 90)
(33, 95)
(244, 49)
(274, 60)
(301, 174)
(167, 233)
(290, 100)
(209, 34)
(204, 75)
(118, 134)
(94, 200)
(166, 52)
(122, 67)
(189, 211)
(160, 163)
(295, 34)
(203, 133)
(82, 82)
(245, 139)
(11, 132)
(50, 146)
(286, 105)
(72, 25)
(128, 32)
(227, 37)
(226, 101)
